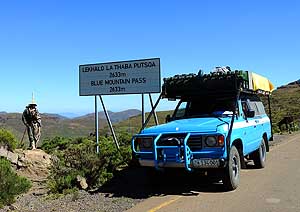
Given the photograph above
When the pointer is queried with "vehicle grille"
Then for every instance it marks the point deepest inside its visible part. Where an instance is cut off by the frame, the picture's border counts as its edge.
(171, 140)
(195, 143)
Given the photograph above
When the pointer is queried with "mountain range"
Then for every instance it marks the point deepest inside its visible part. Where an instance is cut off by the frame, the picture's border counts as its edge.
(58, 125)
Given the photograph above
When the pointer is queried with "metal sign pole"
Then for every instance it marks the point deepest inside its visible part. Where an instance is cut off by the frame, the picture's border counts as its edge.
(155, 115)
(143, 110)
(109, 123)
(270, 116)
(96, 125)
(150, 114)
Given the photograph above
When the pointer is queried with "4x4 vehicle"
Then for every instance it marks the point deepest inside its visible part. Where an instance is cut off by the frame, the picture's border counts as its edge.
(218, 123)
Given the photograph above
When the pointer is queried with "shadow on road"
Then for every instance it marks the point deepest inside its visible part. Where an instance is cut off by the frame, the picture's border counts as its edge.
(140, 183)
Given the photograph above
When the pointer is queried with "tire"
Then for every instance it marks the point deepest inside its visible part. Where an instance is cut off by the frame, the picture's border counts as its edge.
(259, 156)
(231, 178)
(134, 162)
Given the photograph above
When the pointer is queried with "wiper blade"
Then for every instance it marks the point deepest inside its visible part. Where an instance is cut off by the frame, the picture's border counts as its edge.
(219, 117)
(222, 120)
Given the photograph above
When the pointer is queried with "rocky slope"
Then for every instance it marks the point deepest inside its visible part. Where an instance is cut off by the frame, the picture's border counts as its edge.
(32, 164)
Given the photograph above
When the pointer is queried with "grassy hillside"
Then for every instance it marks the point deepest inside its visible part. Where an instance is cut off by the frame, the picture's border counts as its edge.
(285, 101)
(133, 124)
(51, 125)
(114, 116)
(56, 125)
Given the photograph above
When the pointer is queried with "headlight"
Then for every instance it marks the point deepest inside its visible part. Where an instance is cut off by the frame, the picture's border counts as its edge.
(144, 143)
(211, 141)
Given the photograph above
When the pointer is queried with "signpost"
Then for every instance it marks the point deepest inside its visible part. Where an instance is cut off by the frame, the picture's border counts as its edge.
(116, 78)
(126, 77)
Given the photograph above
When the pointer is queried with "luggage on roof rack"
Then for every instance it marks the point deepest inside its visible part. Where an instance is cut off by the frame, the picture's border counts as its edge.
(215, 83)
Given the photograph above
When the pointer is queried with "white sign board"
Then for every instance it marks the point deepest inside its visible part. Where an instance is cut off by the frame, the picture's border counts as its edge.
(125, 77)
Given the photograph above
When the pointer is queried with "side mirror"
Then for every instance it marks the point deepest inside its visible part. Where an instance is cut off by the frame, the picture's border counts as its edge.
(168, 118)
(250, 113)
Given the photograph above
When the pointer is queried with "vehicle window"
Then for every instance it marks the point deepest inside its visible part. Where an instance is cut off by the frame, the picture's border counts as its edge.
(253, 106)
(197, 108)
(180, 112)
(244, 107)
(261, 108)
(205, 108)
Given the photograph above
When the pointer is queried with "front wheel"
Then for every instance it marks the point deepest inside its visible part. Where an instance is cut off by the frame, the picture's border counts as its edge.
(231, 178)
(259, 156)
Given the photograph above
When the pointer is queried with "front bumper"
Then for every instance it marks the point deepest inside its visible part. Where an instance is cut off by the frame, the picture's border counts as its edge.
(180, 155)
(195, 163)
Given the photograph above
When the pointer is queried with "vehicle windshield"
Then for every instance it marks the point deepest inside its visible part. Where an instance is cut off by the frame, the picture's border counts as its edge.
(208, 107)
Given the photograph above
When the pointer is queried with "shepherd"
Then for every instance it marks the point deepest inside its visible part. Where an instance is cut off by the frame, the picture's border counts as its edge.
(32, 120)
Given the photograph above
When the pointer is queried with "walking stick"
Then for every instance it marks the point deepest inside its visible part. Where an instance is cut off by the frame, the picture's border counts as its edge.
(21, 143)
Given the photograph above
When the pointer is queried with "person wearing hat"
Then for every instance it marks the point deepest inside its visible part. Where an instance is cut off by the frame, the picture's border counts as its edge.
(32, 120)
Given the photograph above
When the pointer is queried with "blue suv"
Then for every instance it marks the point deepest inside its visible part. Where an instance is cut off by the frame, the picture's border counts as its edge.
(219, 123)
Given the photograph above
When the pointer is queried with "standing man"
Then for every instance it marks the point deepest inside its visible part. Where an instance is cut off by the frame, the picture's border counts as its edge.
(32, 120)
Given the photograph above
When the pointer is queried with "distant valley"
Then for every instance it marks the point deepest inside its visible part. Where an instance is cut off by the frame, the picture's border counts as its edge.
(58, 125)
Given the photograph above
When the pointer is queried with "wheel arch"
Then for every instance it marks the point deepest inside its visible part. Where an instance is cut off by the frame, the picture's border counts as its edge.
(265, 137)
(239, 145)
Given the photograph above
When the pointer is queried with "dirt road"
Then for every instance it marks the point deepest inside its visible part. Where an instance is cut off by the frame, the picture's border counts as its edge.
(274, 188)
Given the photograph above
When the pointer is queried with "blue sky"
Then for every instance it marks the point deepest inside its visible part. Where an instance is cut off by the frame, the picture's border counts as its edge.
(42, 43)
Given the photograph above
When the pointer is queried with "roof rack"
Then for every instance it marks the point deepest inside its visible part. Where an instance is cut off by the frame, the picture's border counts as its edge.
(216, 83)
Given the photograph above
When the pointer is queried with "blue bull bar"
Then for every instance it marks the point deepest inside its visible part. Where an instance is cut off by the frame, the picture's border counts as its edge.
(164, 154)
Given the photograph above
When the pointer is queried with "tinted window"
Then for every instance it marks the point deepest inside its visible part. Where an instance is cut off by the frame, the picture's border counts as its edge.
(253, 106)
(207, 107)
(253, 102)
(260, 107)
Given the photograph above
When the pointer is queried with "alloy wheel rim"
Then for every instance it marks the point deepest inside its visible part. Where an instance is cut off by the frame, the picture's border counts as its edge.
(235, 168)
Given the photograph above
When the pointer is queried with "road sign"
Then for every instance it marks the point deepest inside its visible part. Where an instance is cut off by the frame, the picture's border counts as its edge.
(124, 77)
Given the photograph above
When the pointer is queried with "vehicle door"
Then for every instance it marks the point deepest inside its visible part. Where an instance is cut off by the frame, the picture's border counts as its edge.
(249, 126)
(256, 123)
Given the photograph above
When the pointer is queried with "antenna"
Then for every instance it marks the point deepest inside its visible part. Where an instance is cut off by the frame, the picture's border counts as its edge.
(32, 98)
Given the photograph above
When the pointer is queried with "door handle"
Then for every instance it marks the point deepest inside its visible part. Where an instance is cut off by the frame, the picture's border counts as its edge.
(256, 121)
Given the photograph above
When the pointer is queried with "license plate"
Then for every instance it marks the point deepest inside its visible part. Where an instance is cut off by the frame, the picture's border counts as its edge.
(205, 163)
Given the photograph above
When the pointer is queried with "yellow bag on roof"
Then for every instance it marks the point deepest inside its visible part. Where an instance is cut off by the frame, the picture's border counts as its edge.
(261, 83)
